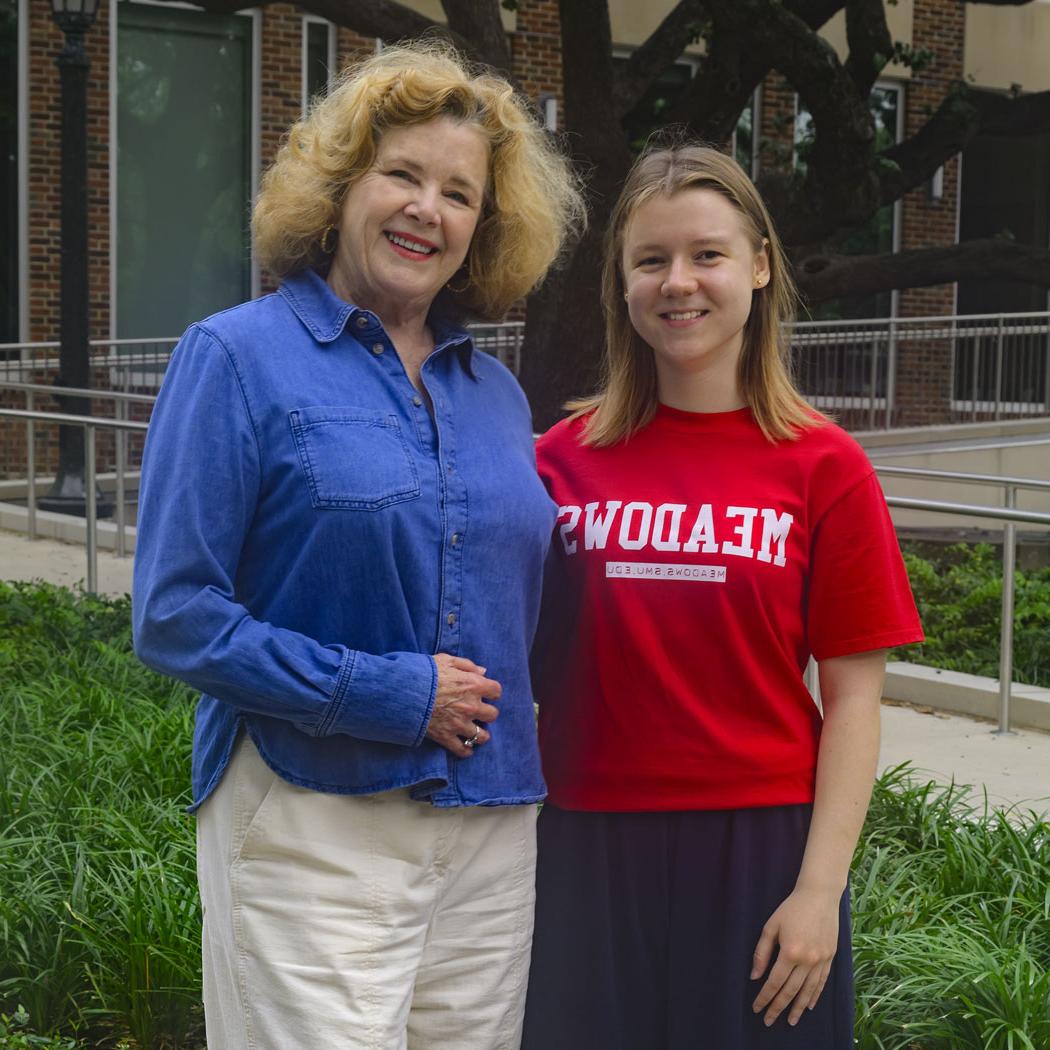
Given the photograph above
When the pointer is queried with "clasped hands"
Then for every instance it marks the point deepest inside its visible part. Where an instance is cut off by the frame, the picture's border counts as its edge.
(806, 928)
(460, 709)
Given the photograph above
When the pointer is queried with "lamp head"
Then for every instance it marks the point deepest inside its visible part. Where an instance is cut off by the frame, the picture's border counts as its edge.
(74, 16)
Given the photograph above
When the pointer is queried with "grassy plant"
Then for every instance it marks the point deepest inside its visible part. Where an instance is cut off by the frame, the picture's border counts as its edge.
(99, 923)
(951, 922)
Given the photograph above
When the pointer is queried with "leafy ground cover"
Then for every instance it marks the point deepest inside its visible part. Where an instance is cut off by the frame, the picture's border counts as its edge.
(958, 590)
(99, 922)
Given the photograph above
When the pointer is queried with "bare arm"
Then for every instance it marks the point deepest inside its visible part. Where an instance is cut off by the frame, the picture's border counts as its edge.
(805, 926)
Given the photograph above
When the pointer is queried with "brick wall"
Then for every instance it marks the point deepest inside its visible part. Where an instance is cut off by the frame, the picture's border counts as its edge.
(536, 51)
(776, 124)
(924, 370)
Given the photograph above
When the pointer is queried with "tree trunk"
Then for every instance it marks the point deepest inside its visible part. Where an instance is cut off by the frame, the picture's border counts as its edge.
(564, 335)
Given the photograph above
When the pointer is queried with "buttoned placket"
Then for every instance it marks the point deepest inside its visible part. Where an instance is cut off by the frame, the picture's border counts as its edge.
(453, 518)
(437, 433)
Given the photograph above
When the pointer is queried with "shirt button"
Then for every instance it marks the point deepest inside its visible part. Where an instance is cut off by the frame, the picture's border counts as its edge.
(362, 321)
(451, 619)
(377, 348)
(455, 539)
(417, 401)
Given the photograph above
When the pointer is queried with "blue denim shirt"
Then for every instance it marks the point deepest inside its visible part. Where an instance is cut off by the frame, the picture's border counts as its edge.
(309, 534)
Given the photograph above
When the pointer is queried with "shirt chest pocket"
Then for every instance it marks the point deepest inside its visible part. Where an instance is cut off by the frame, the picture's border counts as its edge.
(353, 458)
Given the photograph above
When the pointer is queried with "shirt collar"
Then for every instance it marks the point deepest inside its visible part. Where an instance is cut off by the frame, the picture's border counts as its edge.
(325, 316)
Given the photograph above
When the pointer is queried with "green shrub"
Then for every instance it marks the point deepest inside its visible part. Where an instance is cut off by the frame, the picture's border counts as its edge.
(958, 590)
(951, 913)
(99, 923)
(15, 1034)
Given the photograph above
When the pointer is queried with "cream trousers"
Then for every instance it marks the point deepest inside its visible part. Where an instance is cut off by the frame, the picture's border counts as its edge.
(361, 921)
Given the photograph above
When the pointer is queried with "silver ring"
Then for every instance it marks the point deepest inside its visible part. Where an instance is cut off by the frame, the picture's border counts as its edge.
(472, 742)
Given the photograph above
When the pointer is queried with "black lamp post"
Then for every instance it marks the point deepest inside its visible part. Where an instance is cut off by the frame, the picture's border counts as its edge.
(74, 18)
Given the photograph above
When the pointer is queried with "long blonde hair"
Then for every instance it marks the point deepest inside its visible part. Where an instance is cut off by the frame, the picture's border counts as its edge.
(532, 205)
(628, 398)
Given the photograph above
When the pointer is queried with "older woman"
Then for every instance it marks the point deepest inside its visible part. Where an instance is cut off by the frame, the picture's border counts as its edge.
(336, 487)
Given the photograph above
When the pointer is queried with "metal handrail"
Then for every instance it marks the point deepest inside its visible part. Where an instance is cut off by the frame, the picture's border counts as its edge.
(50, 390)
(90, 425)
(965, 478)
(1009, 515)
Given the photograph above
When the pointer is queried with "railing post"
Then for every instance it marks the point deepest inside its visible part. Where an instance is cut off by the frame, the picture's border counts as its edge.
(976, 373)
(999, 368)
(891, 373)
(121, 438)
(1006, 627)
(91, 509)
(30, 469)
(874, 381)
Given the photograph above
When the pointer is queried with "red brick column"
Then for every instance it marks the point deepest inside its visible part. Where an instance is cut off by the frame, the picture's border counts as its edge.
(923, 388)
(776, 124)
(536, 51)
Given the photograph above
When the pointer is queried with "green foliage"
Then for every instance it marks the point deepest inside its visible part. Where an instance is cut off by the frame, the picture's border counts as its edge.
(951, 906)
(914, 58)
(958, 590)
(99, 924)
(15, 1034)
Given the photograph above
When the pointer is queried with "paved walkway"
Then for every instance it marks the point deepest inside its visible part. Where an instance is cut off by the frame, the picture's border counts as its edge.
(1015, 769)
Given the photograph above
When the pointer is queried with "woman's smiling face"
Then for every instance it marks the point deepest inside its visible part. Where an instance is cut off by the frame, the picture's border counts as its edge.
(407, 223)
(689, 271)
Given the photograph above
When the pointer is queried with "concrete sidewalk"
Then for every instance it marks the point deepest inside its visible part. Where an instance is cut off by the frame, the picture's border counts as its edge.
(1015, 769)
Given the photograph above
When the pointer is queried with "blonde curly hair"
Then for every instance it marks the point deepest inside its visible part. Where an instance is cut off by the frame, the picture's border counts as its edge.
(533, 203)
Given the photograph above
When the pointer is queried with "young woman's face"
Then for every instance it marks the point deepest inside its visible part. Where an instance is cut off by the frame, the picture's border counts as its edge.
(689, 272)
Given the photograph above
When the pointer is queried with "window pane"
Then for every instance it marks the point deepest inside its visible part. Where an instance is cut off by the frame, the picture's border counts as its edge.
(183, 167)
(317, 71)
(744, 138)
(9, 171)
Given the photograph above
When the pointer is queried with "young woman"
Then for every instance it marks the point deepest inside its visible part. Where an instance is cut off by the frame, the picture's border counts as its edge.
(714, 531)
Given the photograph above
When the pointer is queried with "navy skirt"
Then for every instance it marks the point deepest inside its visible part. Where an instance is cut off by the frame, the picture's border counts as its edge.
(645, 928)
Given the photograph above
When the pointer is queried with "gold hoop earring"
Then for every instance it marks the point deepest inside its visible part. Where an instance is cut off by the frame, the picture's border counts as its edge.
(328, 240)
(459, 291)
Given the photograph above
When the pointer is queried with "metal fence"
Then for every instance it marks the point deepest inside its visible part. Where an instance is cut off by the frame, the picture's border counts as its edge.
(139, 364)
(996, 366)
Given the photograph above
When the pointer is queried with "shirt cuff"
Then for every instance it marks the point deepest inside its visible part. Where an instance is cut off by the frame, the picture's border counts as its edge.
(386, 698)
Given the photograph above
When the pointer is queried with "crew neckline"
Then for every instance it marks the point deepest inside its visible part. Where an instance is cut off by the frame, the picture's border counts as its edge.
(738, 419)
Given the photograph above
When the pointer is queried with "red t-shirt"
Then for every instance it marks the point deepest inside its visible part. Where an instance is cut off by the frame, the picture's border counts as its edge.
(694, 569)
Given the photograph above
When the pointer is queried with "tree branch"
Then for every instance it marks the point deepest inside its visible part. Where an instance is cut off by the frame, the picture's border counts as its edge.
(731, 70)
(479, 22)
(662, 48)
(870, 43)
(964, 113)
(822, 277)
(386, 19)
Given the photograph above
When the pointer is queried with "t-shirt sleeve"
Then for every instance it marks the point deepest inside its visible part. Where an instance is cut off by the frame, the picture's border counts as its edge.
(859, 597)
